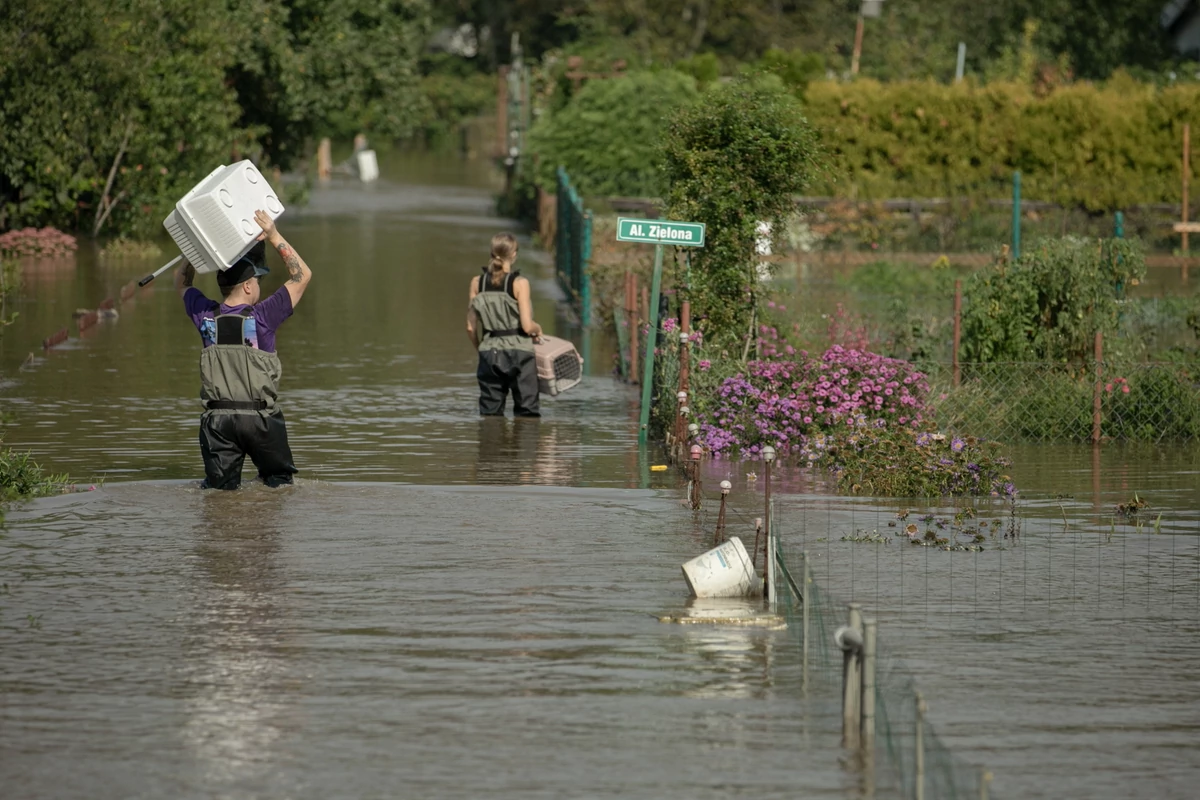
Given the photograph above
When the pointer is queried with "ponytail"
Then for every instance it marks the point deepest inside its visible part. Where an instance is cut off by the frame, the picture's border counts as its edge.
(504, 252)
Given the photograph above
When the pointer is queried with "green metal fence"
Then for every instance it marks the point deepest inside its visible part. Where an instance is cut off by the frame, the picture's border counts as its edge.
(573, 248)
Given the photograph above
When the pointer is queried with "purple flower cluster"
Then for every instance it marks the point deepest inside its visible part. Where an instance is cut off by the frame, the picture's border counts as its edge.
(784, 401)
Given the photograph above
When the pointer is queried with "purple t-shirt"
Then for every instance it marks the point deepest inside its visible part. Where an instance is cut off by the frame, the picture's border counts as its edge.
(264, 320)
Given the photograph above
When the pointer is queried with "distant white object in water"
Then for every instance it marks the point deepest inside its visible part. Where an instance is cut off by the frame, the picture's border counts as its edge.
(724, 571)
(368, 166)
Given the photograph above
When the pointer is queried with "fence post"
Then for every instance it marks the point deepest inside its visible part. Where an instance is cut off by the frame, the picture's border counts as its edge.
(651, 336)
(768, 456)
(805, 580)
(502, 111)
(919, 750)
(1016, 216)
(719, 534)
(852, 681)
(985, 780)
(585, 285)
(772, 595)
(634, 333)
(867, 733)
(1096, 390)
(957, 329)
(1119, 225)
(1187, 170)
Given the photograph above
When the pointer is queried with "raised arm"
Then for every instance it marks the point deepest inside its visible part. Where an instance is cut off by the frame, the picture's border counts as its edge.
(525, 307)
(472, 317)
(297, 269)
(185, 273)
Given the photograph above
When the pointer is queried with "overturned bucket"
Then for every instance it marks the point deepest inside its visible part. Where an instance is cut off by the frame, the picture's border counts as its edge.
(724, 571)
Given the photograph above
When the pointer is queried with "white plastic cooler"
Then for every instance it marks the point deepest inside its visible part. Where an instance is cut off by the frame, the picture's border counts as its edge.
(213, 224)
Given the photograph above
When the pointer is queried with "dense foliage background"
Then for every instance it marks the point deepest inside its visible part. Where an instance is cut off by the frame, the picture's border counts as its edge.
(112, 109)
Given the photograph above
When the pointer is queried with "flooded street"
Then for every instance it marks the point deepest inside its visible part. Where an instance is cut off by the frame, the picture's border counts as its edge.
(446, 606)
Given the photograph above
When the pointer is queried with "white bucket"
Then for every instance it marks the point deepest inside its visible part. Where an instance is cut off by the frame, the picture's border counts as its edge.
(368, 166)
(724, 571)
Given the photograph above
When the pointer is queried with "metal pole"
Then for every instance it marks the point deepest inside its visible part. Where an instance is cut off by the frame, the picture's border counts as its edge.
(767, 517)
(805, 581)
(772, 598)
(962, 62)
(1119, 225)
(635, 334)
(651, 337)
(1099, 355)
(919, 747)
(868, 685)
(957, 328)
(585, 287)
(1016, 216)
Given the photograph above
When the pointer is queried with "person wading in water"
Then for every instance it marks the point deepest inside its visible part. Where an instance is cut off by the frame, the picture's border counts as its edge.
(239, 370)
(500, 325)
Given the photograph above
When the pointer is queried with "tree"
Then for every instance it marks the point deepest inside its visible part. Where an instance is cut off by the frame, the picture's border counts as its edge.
(736, 157)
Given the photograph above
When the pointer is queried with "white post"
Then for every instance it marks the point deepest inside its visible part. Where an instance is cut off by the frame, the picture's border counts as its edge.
(985, 780)
(852, 683)
(805, 580)
(962, 61)
(772, 567)
(919, 789)
(868, 685)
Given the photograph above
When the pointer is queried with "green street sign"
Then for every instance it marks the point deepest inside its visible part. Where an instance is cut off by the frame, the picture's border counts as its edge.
(660, 231)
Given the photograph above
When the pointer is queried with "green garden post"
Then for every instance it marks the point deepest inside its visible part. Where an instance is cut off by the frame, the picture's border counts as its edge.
(585, 286)
(651, 343)
(1119, 225)
(1016, 219)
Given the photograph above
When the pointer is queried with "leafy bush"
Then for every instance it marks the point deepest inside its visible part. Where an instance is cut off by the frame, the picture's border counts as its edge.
(449, 99)
(21, 477)
(732, 160)
(43, 243)
(899, 463)
(607, 136)
(1049, 304)
(1097, 147)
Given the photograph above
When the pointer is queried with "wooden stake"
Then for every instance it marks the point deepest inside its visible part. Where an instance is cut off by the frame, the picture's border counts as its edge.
(858, 37)
(957, 329)
(1096, 392)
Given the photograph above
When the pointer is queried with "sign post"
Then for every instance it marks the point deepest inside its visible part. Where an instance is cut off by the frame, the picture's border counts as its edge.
(657, 232)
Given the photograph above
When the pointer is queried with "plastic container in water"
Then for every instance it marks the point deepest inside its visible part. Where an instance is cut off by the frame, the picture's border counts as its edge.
(213, 224)
(368, 165)
(724, 571)
(559, 365)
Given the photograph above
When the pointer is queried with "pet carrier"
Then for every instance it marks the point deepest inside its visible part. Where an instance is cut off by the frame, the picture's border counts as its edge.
(559, 365)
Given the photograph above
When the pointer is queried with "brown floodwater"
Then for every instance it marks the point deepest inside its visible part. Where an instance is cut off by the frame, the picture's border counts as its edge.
(446, 606)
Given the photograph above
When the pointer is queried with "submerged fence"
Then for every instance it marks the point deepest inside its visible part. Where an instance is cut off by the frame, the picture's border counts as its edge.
(1062, 614)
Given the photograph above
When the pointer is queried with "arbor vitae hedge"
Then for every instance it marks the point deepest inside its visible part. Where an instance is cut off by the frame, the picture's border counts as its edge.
(1097, 147)
(111, 109)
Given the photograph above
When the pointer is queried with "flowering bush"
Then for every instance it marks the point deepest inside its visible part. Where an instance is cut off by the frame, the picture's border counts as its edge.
(41, 243)
(783, 402)
(900, 463)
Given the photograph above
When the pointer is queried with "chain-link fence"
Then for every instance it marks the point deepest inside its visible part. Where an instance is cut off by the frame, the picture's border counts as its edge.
(1044, 402)
(573, 247)
(905, 757)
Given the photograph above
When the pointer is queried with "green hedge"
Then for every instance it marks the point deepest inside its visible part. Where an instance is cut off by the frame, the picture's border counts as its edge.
(1099, 147)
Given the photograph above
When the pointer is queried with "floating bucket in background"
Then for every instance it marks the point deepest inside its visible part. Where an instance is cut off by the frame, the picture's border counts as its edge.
(724, 571)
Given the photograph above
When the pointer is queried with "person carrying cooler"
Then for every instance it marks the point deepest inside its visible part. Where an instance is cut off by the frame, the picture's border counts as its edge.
(500, 324)
(239, 370)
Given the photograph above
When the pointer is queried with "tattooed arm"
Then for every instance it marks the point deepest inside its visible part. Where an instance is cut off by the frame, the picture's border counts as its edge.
(298, 271)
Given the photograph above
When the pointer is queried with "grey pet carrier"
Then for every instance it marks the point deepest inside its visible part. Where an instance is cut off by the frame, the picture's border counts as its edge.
(559, 365)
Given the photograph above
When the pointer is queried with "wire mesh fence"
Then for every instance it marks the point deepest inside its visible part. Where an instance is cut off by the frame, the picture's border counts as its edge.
(1046, 402)
(573, 247)
(1011, 618)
